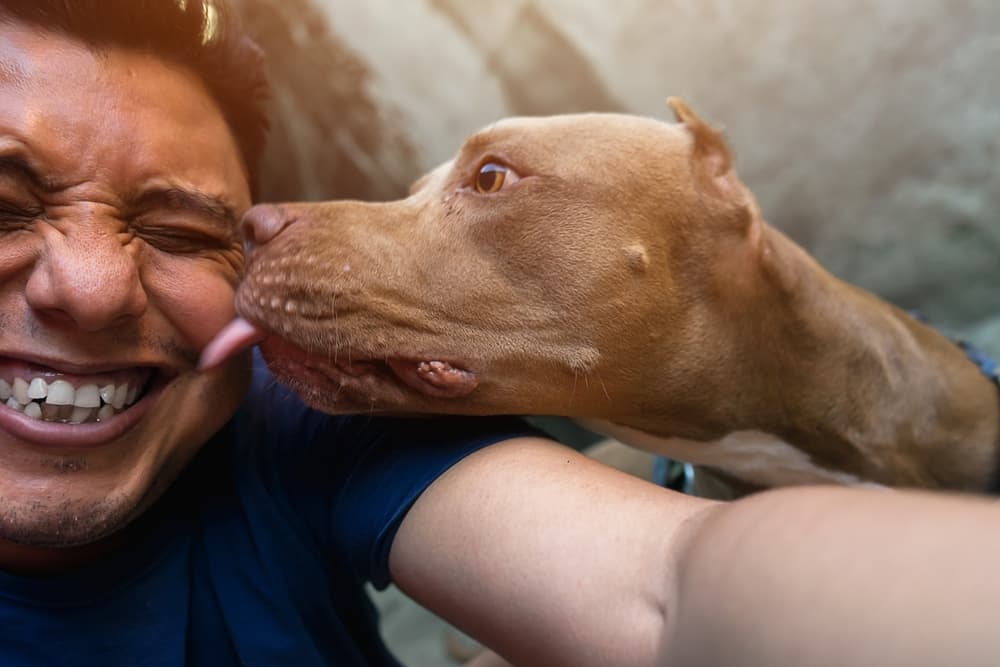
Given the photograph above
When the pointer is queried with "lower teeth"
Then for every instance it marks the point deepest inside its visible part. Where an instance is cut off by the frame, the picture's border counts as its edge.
(65, 414)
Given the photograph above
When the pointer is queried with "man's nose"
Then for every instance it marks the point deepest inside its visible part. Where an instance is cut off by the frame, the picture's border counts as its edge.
(93, 283)
(262, 223)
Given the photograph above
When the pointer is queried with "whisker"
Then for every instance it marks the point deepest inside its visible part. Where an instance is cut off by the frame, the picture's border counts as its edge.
(604, 387)
(336, 329)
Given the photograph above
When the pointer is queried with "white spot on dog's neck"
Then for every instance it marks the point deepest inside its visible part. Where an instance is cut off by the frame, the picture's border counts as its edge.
(754, 457)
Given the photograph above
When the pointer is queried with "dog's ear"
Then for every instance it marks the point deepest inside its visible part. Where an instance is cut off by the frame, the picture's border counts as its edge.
(710, 148)
(712, 164)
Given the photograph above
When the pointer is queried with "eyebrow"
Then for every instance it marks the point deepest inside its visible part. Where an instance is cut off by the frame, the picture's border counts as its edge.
(182, 199)
(481, 140)
(173, 198)
(26, 169)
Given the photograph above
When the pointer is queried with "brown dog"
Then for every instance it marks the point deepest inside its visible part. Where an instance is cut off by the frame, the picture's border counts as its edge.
(613, 269)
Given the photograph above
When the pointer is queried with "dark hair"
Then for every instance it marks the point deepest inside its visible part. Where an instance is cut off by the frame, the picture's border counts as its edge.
(202, 35)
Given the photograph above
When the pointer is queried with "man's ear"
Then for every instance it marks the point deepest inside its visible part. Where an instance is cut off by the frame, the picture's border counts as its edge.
(710, 150)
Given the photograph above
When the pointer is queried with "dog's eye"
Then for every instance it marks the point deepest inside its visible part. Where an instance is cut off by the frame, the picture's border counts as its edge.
(491, 177)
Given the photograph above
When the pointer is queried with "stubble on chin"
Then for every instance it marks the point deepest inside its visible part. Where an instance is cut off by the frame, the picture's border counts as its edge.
(61, 522)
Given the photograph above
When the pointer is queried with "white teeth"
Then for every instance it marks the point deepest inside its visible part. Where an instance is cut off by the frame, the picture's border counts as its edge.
(79, 414)
(33, 410)
(61, 393)
(20, 391)
(38, 388)
(60, 401)
(87, 396)
(121, 393)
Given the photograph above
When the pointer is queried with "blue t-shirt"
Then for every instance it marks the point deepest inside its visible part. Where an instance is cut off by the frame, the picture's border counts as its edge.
(258, 553)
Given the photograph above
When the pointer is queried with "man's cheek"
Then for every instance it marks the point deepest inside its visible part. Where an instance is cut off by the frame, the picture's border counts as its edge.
(194, 295)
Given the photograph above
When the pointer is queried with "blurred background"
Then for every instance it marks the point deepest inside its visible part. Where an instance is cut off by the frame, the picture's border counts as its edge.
(868, 129)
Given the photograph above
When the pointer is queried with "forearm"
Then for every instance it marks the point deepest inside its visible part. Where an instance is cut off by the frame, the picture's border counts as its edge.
(838, 576)
(553, 559)
(545, 555)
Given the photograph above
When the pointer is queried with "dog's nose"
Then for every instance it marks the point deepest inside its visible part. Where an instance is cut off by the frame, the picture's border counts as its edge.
(262, 223)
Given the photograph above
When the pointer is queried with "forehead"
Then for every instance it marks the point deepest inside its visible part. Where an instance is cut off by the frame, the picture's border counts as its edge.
(112, 115)
(584, 137)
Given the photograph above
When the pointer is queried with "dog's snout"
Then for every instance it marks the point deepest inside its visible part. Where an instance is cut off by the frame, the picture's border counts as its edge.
(262, 223)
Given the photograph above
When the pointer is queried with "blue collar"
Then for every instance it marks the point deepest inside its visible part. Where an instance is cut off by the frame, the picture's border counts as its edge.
(991, 369)
(988, 366)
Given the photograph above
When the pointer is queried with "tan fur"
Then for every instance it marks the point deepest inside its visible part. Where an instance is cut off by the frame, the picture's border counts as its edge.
(627, 277)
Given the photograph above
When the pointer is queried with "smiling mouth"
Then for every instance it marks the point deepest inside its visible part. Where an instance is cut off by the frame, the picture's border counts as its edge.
(51, 396)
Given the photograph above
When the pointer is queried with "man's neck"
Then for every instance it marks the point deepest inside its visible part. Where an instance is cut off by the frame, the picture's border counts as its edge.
(34, 561)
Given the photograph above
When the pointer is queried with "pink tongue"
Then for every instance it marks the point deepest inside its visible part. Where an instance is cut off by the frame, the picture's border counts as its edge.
(235, 337)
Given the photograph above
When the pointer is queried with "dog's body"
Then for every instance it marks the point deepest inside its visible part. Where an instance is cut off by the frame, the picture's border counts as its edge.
(620, 274)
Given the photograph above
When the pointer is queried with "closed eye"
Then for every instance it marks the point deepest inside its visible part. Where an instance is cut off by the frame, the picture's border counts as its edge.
(8, 211)
(181, 237)
(17, 217)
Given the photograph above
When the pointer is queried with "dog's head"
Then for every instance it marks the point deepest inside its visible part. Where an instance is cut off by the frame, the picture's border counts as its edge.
(551, 266)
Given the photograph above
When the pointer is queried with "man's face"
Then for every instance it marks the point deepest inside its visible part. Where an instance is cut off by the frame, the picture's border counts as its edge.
(120, 184)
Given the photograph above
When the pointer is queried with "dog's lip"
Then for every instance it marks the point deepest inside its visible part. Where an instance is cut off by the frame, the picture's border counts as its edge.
(436, 378)
(427, 374)
(430, 375)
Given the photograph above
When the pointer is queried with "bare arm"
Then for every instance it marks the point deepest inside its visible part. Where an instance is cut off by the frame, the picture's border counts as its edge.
(544, 555)
(553, 559)
(837, 576)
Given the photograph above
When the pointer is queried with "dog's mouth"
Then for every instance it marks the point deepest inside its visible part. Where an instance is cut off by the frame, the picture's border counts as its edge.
(345, 375)
(439, 379)
(339, 371)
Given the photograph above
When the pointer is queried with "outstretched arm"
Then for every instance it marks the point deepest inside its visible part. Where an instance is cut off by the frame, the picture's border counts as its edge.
(553, 559)
(839, 576)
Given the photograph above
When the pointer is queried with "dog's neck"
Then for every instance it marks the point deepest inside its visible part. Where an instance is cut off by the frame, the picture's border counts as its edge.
(853, 384)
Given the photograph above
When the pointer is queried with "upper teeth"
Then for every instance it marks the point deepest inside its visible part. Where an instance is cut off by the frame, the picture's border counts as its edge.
(21, 394)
